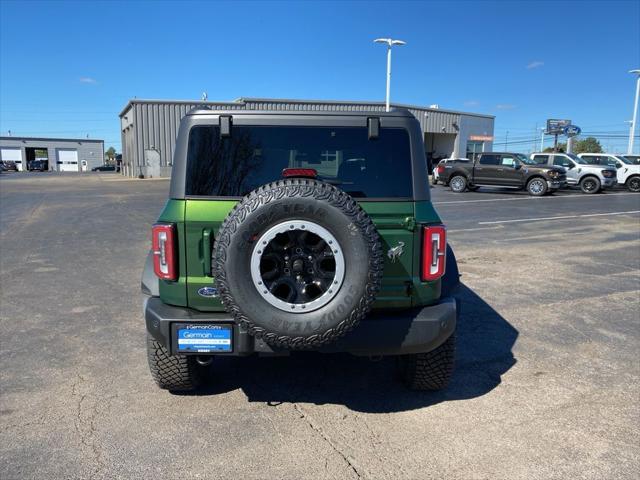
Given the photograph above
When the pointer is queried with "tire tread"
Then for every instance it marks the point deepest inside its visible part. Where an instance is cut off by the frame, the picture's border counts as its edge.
(320, 191)
(172, 372)
(431, 370)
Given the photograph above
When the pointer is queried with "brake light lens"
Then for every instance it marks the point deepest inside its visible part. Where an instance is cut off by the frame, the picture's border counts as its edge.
(440, 169)
(163, 247)
(300, 172)
(434, 252)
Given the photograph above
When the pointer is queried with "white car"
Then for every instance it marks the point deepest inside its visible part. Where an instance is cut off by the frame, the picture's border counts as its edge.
(440, 168)
(628, 170)
(591, 178)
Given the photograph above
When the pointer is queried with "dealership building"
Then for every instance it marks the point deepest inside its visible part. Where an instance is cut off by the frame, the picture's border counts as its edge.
(149, 128)
(57, 154)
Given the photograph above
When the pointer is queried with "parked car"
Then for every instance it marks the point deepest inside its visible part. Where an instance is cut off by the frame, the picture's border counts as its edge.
(297, 260)
(628, 174)
(440, 167)
(38, 166)
(10, 166)
(104, 168)
(590, 178)
(608, 159)
(502, 170)
(635, 159)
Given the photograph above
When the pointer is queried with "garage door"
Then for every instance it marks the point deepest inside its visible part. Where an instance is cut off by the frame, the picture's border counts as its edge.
(12, 155)
(67, 160)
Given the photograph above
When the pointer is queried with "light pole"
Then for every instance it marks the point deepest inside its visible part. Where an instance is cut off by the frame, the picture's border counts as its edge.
(542, 139)
(635, 112)
(390, 43)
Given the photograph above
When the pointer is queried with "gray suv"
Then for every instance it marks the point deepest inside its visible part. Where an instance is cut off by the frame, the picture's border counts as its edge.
(590, 178)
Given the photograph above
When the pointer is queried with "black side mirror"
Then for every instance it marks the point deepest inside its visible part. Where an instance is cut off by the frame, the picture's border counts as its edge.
(517, 166)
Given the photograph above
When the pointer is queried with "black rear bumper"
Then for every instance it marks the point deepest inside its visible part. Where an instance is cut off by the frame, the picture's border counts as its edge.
(381, 333)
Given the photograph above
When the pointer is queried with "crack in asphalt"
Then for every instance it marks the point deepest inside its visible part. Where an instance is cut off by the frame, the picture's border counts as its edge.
(85, 426)
(316, 428)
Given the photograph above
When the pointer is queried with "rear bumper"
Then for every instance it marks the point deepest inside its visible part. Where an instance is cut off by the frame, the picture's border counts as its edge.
(381, 333)
(609, 182)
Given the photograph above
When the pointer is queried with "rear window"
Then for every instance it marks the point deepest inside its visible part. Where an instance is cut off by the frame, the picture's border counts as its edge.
(255, 155)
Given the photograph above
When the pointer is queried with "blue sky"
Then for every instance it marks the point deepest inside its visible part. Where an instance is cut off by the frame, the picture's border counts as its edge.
(68, 68)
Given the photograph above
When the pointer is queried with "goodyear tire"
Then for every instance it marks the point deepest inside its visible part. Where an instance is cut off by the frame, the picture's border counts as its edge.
(173, 372)
(430, 370)
(298, 263)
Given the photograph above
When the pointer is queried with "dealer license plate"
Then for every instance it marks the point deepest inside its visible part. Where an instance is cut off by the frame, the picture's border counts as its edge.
(205, 338)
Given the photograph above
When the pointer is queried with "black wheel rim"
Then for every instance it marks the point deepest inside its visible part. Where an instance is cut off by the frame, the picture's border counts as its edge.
(297, 266)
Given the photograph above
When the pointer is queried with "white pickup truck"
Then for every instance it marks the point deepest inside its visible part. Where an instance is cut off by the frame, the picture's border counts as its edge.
(590, 178)
(628, 170)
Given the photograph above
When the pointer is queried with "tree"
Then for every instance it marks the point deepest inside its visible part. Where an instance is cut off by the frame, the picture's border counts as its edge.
(110, 155)
(562, 147)
(588, 145)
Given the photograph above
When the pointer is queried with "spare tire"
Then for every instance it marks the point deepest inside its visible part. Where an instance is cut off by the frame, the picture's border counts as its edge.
(298, 263)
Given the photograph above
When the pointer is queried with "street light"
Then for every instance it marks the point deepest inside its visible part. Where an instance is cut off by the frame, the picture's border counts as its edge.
(390, 43)
(635, 113)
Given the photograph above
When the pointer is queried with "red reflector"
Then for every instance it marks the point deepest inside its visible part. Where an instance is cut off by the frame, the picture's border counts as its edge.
(300, 172)
(164, 249)
(434, 250)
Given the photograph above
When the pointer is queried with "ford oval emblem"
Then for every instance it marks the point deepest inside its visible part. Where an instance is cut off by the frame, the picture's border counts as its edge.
(208, 292)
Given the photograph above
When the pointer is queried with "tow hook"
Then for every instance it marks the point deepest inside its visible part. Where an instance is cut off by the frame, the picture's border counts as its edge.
(204, 361)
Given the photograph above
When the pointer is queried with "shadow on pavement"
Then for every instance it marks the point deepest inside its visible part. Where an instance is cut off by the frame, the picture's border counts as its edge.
(484, 353)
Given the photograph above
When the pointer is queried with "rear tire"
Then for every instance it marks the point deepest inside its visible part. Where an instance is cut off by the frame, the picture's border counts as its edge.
(458, 184)
(633, 184)
(177, 373)
(431, 370)
(434, 181)
(590, 185)
(537, 187)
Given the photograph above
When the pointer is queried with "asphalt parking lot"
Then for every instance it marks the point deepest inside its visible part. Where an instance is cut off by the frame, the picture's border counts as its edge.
(546, 382)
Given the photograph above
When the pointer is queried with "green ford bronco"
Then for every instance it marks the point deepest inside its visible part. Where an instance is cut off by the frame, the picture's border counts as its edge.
(299, 230)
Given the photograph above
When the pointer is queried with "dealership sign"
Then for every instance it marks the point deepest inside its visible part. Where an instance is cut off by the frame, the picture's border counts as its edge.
(556, 126)
(572, 130)
(481, 138)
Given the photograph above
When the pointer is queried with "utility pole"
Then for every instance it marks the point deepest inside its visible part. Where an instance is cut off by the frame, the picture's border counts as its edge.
(506, 140)
(541, 139)
(632, 131)
(390, 43)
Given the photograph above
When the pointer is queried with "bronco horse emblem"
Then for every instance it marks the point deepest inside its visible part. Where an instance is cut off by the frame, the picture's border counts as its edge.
(395, 252)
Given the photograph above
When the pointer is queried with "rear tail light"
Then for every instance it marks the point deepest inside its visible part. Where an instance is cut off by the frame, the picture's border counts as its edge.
(440, 169)
(163, 246)
(434, 248)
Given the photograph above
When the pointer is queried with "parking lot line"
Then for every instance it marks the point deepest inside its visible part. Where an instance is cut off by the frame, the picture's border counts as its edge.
(563, 217)
(472, 229)
(527, 198)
